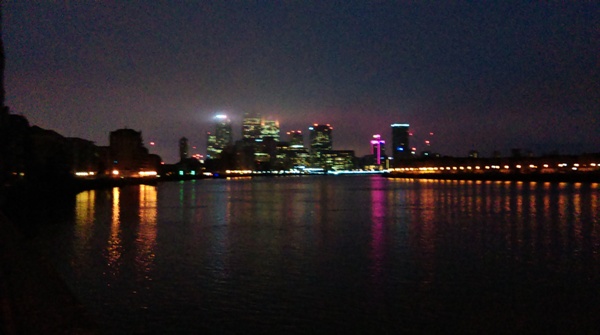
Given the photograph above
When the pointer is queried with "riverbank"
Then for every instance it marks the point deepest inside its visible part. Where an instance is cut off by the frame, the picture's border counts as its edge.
(583, 177)
(33, 297)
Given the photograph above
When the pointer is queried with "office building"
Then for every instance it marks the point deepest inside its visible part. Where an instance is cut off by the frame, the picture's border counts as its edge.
(223, 131)
(377, 148)
(251, 127)
(270, 129)
(211, 146)
(220, 139)
(321, 137)
(296, 138)
(337, 160)
(400, 142)
(183, 148)
(320, 140)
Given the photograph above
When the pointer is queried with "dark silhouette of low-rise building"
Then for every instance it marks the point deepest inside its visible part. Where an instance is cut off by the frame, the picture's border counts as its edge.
(128, 154)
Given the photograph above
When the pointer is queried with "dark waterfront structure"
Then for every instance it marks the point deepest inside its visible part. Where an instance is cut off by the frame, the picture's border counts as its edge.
(400, 142)
(129, 157)
(582, 168)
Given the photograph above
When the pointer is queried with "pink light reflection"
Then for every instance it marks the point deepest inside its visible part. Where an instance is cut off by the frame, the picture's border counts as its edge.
(378, 214)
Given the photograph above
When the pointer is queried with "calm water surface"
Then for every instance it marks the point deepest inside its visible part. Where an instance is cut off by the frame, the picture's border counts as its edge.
(333, 255)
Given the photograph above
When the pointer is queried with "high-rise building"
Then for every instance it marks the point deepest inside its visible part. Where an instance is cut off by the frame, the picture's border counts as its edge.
(211, 146)
(223, 132)
(400, 142)
(269, 128)
(321, 137)
(377, 148)
(296, 138)
(251, 127)
(221, 138)
(183, 148)
(320, 140)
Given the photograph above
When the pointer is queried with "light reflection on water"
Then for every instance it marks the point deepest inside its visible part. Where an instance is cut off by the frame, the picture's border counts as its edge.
(335, 254)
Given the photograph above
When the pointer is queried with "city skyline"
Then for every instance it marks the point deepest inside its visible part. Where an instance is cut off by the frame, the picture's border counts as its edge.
(483, 77)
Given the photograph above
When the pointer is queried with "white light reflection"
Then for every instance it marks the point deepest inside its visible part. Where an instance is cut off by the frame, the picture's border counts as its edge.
(114, 246)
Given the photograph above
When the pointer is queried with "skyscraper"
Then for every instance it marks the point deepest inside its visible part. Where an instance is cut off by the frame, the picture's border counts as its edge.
(183, 148)
(270, 128)
(211, 146)
(400, 142)
(221, 138)
(223, 132)
(296, 138)
(321, 137)
(320, 141)
(377, 148)
(251, 126)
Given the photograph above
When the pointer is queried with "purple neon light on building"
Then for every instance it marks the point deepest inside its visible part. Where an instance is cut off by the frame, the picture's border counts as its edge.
(376, 147)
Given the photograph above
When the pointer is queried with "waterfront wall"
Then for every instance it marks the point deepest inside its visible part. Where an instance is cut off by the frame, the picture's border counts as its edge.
(583, 177)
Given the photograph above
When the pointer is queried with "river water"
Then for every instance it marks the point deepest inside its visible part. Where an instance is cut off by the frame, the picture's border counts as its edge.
(326, 254)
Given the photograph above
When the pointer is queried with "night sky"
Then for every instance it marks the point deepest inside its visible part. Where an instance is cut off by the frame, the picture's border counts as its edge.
(485, 75)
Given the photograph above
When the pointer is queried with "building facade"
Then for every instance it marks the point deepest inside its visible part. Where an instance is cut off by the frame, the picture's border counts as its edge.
(377, 148)
(219, 139)
(296, 138)
(321, 139)
(251, 127)
(128, 154)
(223, 132)
(400, 142)
(183, 148)
(270, 129)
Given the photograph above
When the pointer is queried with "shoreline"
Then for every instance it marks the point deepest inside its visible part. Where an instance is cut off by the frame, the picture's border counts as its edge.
(58, 189)
(584, 177)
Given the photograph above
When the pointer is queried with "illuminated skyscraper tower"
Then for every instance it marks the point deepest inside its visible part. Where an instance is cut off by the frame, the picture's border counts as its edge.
(222, 137)
(321, 140)
(270, 128)
(400, 142)
(321, 137)
(223, 133)
(251, 127)
(211, 146)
